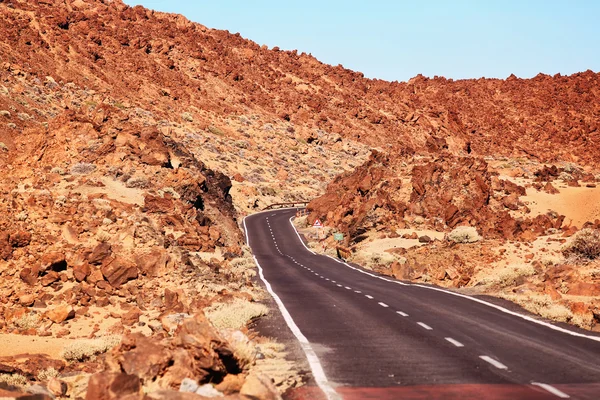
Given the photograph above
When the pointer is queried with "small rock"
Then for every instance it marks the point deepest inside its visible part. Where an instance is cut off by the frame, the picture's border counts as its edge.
(53, 261)
(49, 278)
(231, 384)
(57, 387)
(82, 271)
(424, 239)
(109, 385)
(259, 387)
(170, 322)
(189, 385)
(20, 239)
(131, 317)
(26, 299)
(60, 314)
(40, 391)
(208, 390)
(100, 253)
(28, 276)
(119, 271)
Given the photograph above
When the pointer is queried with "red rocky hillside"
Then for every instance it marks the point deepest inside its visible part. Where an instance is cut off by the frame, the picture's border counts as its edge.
(166, 64)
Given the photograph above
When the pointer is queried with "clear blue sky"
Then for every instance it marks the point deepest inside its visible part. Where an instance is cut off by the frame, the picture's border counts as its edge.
(396, 40)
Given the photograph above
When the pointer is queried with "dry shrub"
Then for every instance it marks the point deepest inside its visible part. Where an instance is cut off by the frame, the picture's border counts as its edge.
(371, 260)
(47, 374)
(245, 352)
(234, 315)
(544, 306)
(12, 381)
(464, 234)
(81, 350)
(507, 276)
(82, 168)
(27, 321)
(137, 182)
(584, 245)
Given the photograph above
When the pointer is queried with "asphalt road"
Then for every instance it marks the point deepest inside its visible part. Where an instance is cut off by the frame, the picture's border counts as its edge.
(366, 336)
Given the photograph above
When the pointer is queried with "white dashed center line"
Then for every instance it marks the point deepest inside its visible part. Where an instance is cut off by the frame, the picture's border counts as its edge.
(402, 313)
(348, 287)
(455, 342)
(357, 291)
(383, 304)
(495, 363)
(338, 285)
(425, 326)
(368, 297)
(552, 390)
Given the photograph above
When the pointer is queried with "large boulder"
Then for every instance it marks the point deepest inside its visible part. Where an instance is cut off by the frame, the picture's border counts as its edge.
(119, 270)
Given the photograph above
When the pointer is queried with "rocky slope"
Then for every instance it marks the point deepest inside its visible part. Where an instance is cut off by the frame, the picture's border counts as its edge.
(177, 70)
(134, 141)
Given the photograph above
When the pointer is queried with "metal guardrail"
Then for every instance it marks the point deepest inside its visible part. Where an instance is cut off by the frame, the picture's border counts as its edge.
(284, 205)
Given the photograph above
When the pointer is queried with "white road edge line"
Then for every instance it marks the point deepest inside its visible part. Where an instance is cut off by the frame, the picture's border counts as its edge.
(311, 355)
(495, 363)
(402, 313)
(383, 304)
(455, 342)
(552, 390)
(424, 325)
(499, 308)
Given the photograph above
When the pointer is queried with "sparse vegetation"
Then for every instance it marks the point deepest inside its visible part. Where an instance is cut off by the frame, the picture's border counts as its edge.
(215, 131)
(103, 236)
(544, 306)
(102, 204)
(464, 234)
(12, 381)
(46, 374)
(82, 168)
(245, 352)
(27, 321)
(139, 182)
(3, 146)
(84, 349)
(585, 245)
(186, 116)
(234, 315)
(507, 276)
(57, 170)
(371, 260)
(169, 190)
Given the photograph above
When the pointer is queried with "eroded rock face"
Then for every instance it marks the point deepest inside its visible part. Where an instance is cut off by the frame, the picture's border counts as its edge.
(447, 191)
(457, 190)
(352, 200)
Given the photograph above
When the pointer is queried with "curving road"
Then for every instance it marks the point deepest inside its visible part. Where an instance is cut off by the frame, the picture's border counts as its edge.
(368, 336)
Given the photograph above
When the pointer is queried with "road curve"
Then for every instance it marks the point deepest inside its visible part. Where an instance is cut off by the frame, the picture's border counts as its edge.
(368, 337)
